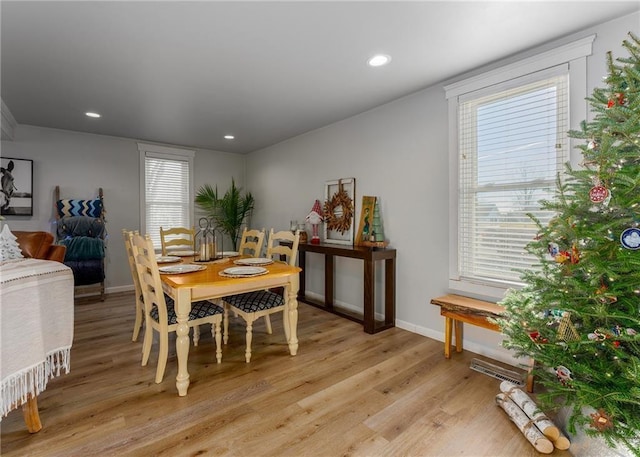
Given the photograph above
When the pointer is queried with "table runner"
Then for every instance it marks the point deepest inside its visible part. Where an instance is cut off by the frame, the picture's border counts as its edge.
(36, 325)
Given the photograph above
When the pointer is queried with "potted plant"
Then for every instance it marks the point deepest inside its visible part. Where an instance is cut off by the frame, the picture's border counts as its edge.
(229, 211)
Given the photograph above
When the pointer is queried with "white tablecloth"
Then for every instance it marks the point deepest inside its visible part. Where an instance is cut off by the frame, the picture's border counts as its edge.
(36, 321)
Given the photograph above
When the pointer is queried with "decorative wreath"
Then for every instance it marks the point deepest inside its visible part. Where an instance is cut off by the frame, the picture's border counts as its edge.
(336, 220)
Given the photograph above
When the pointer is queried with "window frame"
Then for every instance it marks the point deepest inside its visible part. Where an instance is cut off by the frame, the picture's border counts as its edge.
(165, 153)
(574, 55)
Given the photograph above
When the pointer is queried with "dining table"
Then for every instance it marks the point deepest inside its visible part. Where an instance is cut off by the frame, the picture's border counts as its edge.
(211, 283)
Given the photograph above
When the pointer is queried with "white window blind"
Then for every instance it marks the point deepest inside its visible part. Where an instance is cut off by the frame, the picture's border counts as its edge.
(512, 144)
(167, 191)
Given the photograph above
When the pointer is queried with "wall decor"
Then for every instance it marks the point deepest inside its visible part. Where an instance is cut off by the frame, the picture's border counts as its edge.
(370, 230)
(16, 194)
(339, 208)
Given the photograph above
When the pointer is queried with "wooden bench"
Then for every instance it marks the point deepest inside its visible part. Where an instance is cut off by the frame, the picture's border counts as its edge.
(458, 309)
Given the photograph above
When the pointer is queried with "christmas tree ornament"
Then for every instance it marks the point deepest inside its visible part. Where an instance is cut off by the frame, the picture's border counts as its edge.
(630, 238)
(563, 374)
(566, 330)
(597, 336)
(598, 194)
(601, 421)
(592, 145)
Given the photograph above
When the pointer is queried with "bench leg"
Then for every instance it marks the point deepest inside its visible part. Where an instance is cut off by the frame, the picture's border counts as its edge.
(532, 362)
(458, 336)
(448, 328)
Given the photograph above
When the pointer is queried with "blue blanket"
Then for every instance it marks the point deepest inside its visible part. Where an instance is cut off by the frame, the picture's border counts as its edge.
(83, 248)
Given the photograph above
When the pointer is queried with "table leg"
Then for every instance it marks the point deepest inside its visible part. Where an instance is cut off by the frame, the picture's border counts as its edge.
(291, 314)
(182, 307)
(302, 262)
(369, 291)
(328, 281)
(390, 291)
(448, 328)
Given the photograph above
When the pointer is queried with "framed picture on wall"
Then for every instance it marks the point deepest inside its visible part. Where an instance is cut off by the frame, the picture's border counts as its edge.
(16, 195)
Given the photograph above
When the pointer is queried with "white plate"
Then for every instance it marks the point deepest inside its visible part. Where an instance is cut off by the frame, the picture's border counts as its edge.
(227, 254)
(183, 253)
(167, 259)
(245, 271)
(177, 269)
(254, 261)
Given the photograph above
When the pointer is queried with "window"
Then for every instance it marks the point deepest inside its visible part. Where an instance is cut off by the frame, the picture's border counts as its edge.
(166, 189)
(508, 144)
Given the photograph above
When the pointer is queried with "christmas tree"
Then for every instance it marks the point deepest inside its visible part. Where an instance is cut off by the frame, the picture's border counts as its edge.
(578, 315)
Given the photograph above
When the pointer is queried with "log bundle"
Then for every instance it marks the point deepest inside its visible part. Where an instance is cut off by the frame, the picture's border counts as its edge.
(536, 427)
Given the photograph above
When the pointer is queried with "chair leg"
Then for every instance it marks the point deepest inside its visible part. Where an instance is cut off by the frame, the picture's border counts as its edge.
(138, 324)
(196, 334)
(249, 337)
(146, 343)
(162, 356)
(225, 323)
(267, 322)
(215, 332)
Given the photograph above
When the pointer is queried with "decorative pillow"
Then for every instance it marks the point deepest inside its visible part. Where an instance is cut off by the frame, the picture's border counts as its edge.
(69, 207)
(9, 248)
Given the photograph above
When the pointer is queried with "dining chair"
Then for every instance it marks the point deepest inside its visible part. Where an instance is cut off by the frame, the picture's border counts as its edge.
(251, 242)
(262, 303)
(136, 284)
(159, 309)
(181, 237)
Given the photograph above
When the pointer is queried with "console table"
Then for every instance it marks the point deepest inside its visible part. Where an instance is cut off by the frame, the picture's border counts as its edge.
(369, 256)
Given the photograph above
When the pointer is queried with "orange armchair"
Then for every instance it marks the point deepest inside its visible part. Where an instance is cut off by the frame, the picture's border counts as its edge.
(39, 245)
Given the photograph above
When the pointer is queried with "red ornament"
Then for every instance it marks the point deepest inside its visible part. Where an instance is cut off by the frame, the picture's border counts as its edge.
(619, 99)
(598, 194)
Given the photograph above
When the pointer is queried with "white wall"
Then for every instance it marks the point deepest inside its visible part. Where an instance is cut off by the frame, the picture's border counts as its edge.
(81, 163)
(397, 152)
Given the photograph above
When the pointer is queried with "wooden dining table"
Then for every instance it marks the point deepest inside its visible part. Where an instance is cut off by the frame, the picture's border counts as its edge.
(208, 284)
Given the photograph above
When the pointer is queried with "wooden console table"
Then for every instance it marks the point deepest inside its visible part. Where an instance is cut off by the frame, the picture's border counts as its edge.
(369, 256)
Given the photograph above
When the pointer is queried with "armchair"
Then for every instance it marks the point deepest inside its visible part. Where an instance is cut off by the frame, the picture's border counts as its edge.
(39, 245)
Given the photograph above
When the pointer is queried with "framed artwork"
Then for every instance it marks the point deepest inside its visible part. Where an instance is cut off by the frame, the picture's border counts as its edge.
(365, 228)
(339, 209)
(16, 195)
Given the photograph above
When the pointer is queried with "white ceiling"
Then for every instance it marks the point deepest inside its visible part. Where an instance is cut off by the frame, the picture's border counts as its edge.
(187, 73)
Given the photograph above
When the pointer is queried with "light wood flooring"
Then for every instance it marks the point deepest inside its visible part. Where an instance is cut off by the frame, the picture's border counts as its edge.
(346, 393)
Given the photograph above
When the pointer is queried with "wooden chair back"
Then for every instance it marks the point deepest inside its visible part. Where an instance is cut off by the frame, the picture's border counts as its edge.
(289, 249)
(252, 241)
(149, 276)
(136, 282)
(181, 237)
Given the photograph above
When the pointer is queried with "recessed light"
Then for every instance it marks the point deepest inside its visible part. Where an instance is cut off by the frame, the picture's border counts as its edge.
(90, 114)
(229, 137)
(379, 60)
